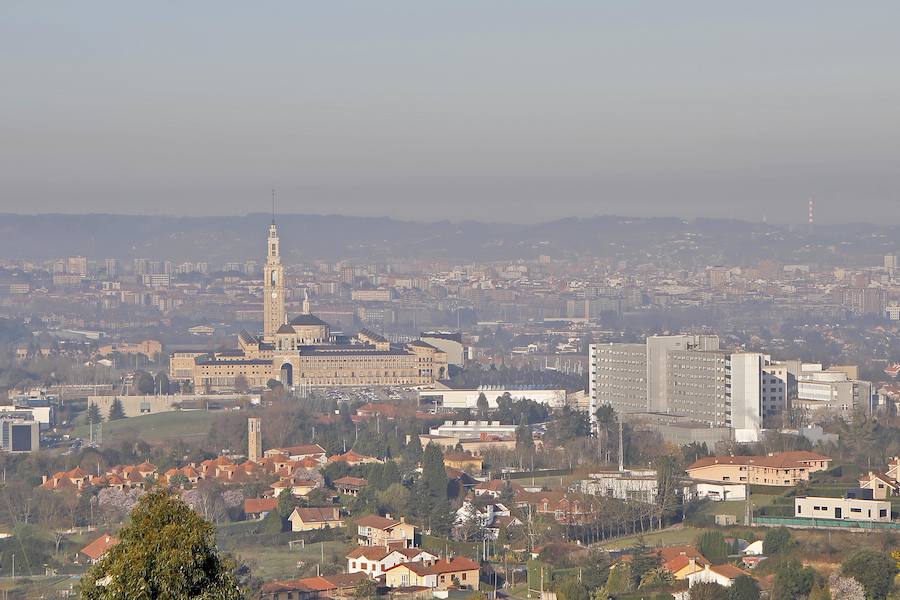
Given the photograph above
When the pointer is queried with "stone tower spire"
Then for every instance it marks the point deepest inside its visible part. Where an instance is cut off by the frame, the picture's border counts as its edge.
(273, 287)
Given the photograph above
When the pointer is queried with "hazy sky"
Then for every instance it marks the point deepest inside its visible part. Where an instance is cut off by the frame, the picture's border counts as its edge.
(504, 110)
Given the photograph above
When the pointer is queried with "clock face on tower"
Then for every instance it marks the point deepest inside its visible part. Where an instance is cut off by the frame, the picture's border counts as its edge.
(274, 295)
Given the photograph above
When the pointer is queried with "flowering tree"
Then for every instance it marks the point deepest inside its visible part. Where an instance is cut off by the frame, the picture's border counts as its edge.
(846, 588)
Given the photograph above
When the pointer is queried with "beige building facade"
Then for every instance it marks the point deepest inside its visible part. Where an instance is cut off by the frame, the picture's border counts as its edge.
(303, 352)
(784, 470)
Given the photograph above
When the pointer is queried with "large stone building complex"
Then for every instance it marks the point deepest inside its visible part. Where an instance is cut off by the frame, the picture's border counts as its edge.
(304, 352)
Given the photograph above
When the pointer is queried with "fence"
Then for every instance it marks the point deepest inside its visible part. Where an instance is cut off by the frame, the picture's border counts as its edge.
(811, 523)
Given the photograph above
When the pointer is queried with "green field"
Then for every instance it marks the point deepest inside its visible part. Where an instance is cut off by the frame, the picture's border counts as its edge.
(155, 429)
(282, 562)
(666, 537)
(36, 587)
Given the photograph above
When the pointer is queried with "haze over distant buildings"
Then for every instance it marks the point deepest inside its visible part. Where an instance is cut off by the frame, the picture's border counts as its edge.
(512, 111)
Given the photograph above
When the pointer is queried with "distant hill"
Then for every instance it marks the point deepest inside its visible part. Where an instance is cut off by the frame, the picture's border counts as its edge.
(217, 239)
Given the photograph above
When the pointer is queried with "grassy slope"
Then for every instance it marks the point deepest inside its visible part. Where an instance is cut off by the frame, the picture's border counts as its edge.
(157, 428)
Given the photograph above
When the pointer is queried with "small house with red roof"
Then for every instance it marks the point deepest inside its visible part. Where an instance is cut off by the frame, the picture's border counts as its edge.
(350, 486)
(96, 550)
(258, 508)
(441, 575)
(312, 588)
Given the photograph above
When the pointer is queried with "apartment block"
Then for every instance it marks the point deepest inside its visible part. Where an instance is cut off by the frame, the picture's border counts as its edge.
(832, 391)
(688, 376)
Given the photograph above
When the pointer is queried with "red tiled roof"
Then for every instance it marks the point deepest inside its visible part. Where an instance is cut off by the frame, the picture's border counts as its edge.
(454, 565)
(369, 552)
(727, 570)
(376, 521)
(259, 505)
(780, 460)
(347, 480)
(883, 477)
(315, 584)
(96, 549)
(671, 552)
(316, 514)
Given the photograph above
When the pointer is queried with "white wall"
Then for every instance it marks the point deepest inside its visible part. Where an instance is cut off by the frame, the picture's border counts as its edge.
(746, 403)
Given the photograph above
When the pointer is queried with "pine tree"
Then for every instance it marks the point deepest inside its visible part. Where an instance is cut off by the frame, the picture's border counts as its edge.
(744, 588)
(712, 545)
(524, 442)
(482, 405)
(116, 411)
(389, 475)
(94, 415)
(434, 474)
(286, 504)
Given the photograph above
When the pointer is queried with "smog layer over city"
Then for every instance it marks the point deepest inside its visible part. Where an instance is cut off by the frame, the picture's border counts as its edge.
(454, 300)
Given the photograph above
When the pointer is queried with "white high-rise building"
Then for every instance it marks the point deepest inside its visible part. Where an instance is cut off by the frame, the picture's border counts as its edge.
(683, 376)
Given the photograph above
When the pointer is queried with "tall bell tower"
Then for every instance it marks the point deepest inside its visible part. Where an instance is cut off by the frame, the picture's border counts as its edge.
(273, 286)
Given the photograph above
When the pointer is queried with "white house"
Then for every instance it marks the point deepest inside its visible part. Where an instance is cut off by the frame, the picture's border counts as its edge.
(724, 575)
(635, 485)
(489, 517)
(845, 509)
(375, 560)
(754, 549)
(719, 490)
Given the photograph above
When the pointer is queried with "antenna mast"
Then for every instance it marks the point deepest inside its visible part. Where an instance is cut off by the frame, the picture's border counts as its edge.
(811, 206)
(273, 206)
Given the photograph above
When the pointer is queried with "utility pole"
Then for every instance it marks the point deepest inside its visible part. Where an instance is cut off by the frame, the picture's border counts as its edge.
(748, 517)
(621, 449)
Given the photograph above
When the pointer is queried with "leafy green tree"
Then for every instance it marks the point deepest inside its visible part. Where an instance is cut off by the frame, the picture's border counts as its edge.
(161, 384)
(179, 480)
(643, 563)
(524, 443)
(656, 578)
(571, 589)
(874, 570)
(776, 541)
(708, 590)
(744, 588)
(390, 475)
(711, 544)
(144, 383)
(167, 553)
(620, 580)
(792, 580)
(286, 504)
(819, 592)
(94, 415)
(694, 452)
(396, 499)
(366, 588)
(668, 480)
(116, 411)
(273, 524)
